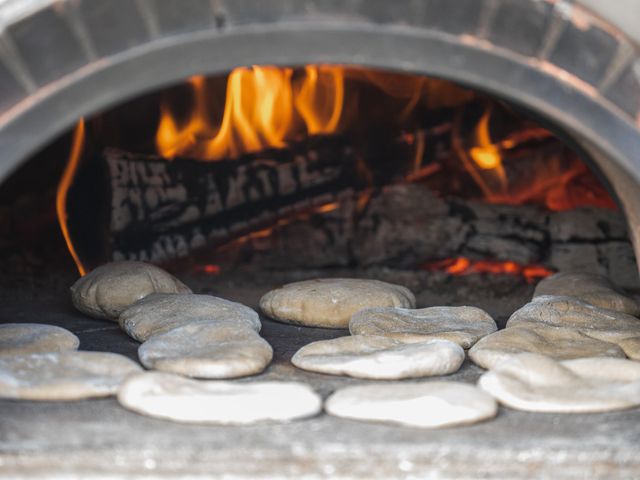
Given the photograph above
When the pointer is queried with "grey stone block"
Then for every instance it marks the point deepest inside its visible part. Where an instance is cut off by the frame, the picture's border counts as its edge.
(183, 16)
(113, 26)
(10, 91)
(520, 25)
(585, 51)
(575, 257)
(47, 45)
(621, 261)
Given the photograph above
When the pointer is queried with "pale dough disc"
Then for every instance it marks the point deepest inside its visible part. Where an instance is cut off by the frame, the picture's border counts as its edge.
(595, 322)
(557, 342)
(423, 404)
(70, 375)
(27, 338)
(106, 291)
(161, 312)
(331, 302)
(588, 287)
(537, 383)
(380, 358)
(207, 350)
(171, 397)
(462, 325)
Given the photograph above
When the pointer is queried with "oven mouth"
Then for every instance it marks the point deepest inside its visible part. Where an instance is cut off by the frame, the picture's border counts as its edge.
(324, 167)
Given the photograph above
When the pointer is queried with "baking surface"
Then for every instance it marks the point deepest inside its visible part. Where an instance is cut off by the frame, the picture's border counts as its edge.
(98, 438)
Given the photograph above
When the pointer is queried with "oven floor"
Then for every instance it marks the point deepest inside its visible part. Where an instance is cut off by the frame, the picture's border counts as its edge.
(99, 439)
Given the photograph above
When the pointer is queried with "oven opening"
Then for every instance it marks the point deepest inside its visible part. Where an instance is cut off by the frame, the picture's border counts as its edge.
(272, 173)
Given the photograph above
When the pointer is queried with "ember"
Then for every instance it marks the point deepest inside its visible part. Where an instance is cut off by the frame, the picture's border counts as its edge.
(465, 266)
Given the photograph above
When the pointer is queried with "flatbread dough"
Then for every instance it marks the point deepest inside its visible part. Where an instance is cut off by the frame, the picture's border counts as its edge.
(536, 383)
(557, 342)
(161, 312)
(462, 325)
(595, 322)
(590, 288)
(27, 338)
(172, 397)
(424, 404)
(380, 358)
(106, 291)
(207, 350)
(330, 302)
(70, 375)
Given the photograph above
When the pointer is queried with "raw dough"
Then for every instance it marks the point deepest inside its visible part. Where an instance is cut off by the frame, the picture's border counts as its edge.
(588, 287)
(207, 350)
(595, 322)
(536, 383)
(70, 375)
(330, 302)
(172, 397)
(26, 338)
(106, 291)
(161, 312)
(380, 358)
(557, 342)
(424, 404)
(462, 325)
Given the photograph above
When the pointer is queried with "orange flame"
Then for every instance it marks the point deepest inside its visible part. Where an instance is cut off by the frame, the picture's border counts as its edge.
(63, 188)
(465, 266)
(264, 107)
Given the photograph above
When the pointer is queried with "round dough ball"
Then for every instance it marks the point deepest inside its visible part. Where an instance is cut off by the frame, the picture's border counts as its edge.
(109, 289)
(331, 302)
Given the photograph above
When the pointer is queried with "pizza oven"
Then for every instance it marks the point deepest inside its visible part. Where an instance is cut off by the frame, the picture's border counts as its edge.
(464, 149)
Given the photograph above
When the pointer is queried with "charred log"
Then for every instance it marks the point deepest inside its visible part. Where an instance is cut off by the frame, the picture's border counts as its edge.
(159, 209)
(405, 226)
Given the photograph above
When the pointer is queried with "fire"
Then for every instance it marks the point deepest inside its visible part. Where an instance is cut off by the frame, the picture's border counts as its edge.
(264, 108)
(63, 188)
(558, 183)
(465, 266)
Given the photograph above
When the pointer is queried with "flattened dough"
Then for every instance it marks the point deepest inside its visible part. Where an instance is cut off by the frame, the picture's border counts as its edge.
(171, 397)
(27, 338)
(380, 358)
(462, 325)
(207, 350)
(70, 375)
(595, 322)
(106, 291)
(536, 383)
(161, 312)
(590, 288)
(330, 302)
(424, 404)
(557, 342)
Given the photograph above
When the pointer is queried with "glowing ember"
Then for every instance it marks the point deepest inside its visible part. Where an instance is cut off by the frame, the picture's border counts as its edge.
(63, 189)
(465, 266)
(209, 269)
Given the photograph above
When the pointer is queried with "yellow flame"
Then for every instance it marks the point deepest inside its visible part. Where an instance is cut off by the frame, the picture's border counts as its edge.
(486, 155)
(320, 98)
(264, 107)
(63, 189)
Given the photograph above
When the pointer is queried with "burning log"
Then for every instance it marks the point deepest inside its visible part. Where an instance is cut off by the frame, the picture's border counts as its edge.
(159, 210)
